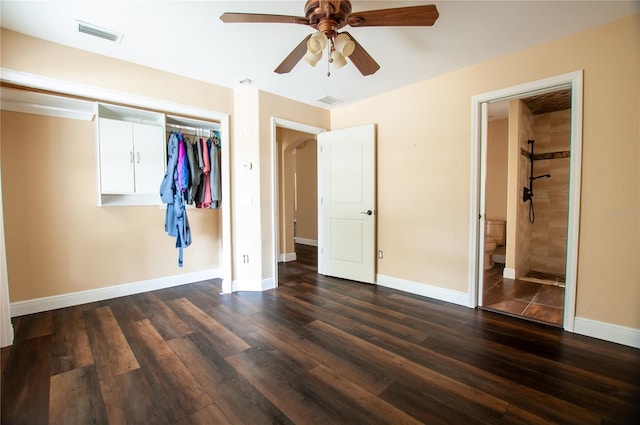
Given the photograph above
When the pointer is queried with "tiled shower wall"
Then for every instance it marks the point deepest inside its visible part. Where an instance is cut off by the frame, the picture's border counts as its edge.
(526, 122)
(551, 196)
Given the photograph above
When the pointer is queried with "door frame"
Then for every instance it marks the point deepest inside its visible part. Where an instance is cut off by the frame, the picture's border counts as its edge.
(275, 191)
(478, 173)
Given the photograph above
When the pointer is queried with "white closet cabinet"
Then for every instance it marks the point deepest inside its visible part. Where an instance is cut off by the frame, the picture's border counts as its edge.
(131, 156)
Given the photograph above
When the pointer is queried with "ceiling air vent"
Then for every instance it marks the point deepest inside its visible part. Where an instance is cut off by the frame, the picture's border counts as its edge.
(97, 31)
(329, 100)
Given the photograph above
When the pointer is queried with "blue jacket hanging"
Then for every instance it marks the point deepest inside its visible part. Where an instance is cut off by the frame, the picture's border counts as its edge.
(176, 223)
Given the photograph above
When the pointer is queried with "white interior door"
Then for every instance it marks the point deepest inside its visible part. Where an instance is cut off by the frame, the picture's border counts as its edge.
(346, 203)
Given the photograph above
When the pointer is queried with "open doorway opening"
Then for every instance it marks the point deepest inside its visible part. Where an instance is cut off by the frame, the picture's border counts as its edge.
(521, 171)
(530, 187)
(298, 200)
(293, 187)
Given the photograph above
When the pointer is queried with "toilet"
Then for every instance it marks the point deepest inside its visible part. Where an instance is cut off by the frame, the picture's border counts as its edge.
(494, 236)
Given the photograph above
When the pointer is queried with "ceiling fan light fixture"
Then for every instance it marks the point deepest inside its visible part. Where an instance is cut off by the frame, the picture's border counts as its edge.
(316, 43)
(312, 58)
(337, 60)
(344, 44)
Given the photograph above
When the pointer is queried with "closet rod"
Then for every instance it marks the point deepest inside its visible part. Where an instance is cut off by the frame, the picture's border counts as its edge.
(193, 130)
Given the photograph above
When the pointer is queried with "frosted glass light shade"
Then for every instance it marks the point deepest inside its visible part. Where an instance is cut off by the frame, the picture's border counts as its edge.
(313, 58)
(344, 44)
(317, 42)
(337, 60)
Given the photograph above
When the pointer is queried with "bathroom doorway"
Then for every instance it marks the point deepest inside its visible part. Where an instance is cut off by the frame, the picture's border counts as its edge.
(532, 285)
(528, 201)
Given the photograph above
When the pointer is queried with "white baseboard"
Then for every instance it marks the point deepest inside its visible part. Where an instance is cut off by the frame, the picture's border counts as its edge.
(305, 241)
(430, 291)
(289, 256)
(37, 305)
(509, 273)
(607, 331)
(253, 285)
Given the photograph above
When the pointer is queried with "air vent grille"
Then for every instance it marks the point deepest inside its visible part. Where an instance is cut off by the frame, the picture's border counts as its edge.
(97, 31)
(329, 100)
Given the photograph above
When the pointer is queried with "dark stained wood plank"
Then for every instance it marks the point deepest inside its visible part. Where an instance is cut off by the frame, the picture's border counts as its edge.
(551, 394)
(276, 377)
(179, 393)
(35, 325)
(110, 349)
(372, 318)
(238, 400)
(421, 402)
(5, 352)
(129, 399)
(75, 397)
(25, 383)
(513, 392)
(242, 403)
(225, 341)
(370, 405)
(70, 346)
(258, 336)
(200, 357)
(317, 311)
(163, 318)
(207, 416)
(479, 402)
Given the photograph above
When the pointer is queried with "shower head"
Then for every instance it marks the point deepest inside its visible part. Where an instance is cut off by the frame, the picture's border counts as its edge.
(539, 177)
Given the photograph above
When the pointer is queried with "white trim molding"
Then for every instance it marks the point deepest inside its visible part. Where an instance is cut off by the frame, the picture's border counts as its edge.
(305, 241)
(6, 327)
(288, 256)
(37, 305)
(509, 273)
(426, 290)
(253, 285)
(607, 331)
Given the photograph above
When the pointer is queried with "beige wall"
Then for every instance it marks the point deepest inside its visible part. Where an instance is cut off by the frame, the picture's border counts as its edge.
(424, 161)
(497, 166)
(273, 106)
(307, 194)
(58, 240)
(36, 56)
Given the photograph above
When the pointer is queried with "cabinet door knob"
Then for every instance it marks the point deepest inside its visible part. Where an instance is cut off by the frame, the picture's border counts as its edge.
(131, 157)
(138, 157)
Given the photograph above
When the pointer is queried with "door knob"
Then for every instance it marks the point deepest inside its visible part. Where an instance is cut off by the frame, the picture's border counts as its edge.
(367, 212)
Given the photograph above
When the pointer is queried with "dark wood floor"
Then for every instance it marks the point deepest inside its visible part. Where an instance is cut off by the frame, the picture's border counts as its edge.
(317, 350)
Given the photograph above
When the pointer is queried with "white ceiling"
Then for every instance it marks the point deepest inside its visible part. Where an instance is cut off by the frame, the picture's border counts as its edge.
(188, 38)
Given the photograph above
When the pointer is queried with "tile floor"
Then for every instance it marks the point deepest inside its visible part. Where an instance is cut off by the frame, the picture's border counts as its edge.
(533, 300)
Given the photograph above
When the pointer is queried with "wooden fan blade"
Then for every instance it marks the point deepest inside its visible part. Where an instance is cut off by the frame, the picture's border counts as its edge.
(294, 57)
(235, 18)
(412, 16)
(361, 59)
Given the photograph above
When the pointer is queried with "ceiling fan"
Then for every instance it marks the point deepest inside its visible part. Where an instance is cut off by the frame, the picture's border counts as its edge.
(329, 16)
